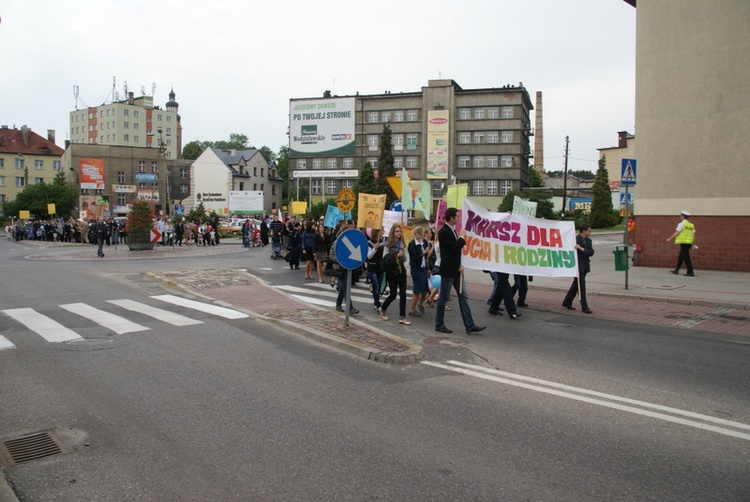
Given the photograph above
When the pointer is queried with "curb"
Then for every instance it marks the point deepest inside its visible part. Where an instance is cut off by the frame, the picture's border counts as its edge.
(6, 493)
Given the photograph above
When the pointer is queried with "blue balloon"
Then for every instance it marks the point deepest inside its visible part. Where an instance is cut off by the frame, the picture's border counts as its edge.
(436, 281)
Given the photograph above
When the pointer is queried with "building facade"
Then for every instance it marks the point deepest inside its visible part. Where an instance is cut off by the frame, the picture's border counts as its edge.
(692, 122)
(443, 133)
(218, 175)
(113, 177)
(135, 122)
(26, 158)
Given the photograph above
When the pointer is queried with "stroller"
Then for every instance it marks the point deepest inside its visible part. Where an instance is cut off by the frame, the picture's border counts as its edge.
(276, 247)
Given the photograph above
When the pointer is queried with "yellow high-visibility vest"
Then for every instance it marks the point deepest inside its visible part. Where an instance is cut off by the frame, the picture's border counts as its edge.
(687, 236)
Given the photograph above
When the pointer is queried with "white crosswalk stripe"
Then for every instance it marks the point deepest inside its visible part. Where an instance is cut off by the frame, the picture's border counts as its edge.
(159, 314)
(201, 307)
(325, 296)
(47, 328)
(5, 343)
(118, 324)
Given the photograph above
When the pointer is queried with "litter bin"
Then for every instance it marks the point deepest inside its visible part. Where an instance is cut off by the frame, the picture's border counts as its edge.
(621, 257)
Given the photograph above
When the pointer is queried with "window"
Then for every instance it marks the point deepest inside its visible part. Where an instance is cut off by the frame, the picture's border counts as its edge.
(315, 187)
(56, 165)
(493, 136)
(121, 177)
(347, 184)
(348, 163)
(493, 112)
(20, 181)
(506, 137)
(411, 141)
(183, 189)
(372, 141)
(19, 163)
(169, 131)
(2, 181)
(255, 186)
(398, 162)
(273, 189)
(2, 163)
(373, 162)
(135, 125)
(491, 187)
(2, 197)
(241, 186)
(398, 116)
(506, 112)
(331, 164)
(372, 117)
(39, 165)
(478, 113)
(478, 161)
(411, 116)
(464, 137)
(398, 141)
(411, 162)
(169, 118)
(183, 172)
(141, 166)
(301, 163)
(121, 199)
(331, 187)
(464, 113)
(437, 189)
(477, 187)
(126, 112)
(141, 186)
(464, 161)
(317, 163)
(126, 125)
(385, 116)
(154, 166)
(478, 136)
(492, 161)
(135, 113)
(255, 170)
(506, 161)
(262, 186)
(127, 137)
(505, 187)
(135, 138)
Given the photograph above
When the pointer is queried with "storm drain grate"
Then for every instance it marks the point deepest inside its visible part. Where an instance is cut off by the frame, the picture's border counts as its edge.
(31, 447)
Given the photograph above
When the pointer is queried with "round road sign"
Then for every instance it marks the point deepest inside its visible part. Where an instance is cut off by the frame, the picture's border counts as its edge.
(345, 200)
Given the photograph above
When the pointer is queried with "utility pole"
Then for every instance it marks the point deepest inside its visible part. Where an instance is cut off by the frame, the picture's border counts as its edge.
(565, 176)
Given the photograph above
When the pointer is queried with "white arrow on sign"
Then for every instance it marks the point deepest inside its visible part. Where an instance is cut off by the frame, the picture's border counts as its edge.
(355, 253)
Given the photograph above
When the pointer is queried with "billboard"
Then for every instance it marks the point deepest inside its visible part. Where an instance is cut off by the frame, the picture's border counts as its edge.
(92, 174)
(245, 202)
(321, 126)
(438, 127)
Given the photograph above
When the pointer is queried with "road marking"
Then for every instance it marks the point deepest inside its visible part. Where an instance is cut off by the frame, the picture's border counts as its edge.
(118, 324)
(158, 314)
(47, 328)
(201, 307)
(504, 377)
(314, 301)
(5, 343)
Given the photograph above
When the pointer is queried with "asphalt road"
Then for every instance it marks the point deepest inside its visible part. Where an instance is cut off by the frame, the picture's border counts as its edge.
(551, 408)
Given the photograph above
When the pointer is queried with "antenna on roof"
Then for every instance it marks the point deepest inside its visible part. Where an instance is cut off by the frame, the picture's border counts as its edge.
(153, 89)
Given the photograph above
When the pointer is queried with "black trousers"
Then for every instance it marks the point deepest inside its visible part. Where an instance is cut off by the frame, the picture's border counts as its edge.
(573, 291)
(684, 257)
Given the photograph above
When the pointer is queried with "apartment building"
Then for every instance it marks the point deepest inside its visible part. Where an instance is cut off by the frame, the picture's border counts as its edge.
(26, 158)
(442, 133)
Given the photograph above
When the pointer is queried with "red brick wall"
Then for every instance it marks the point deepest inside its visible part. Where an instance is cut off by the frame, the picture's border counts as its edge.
(723, 242)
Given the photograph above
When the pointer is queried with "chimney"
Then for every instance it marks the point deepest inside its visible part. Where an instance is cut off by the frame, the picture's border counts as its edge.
(326, 94)
(538, 135)
(51, 135)
(622, 137)
(67, 143)
(131, 98)
(25, 135)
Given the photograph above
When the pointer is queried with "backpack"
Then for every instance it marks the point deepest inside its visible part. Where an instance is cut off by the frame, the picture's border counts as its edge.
(332, 253)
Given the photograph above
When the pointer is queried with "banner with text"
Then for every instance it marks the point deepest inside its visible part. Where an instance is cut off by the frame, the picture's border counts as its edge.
(370, 213)
(515, 244)
(321, 126)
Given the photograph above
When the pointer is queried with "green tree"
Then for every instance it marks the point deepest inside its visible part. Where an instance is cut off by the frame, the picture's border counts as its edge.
(282, 162)
(236, 141)
(385, 165)
(192, 150)
(544, 208)
(366, 183)
(534, 179)
(138, 225)
(35, 199)
(267, 153)
(602, 215)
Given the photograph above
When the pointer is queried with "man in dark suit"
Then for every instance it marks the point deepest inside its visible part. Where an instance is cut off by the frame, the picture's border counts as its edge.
(451, 273)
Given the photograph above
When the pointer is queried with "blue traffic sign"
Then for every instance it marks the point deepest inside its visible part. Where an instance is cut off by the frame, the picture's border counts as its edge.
(396, 205)
(626, 198)
(627, 172)
(351, 248)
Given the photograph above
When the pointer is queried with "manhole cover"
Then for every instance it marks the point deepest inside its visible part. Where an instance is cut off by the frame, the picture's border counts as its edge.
(90, 343)
(444, 341)
(31, 447)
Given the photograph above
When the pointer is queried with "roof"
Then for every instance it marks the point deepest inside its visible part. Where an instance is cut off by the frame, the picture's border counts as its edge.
(233, 157)
(12, 141)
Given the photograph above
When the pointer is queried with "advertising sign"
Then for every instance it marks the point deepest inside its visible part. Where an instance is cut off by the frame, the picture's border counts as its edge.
(245, 202)
(124, 188)
(321, 126)
(92, 174)
(438, 127)
(145, 177)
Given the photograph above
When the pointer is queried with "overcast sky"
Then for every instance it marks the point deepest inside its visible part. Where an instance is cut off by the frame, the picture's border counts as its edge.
(234, 64)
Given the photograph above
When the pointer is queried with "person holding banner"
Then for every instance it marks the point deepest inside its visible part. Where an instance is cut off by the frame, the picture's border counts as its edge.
(585, 251)
(394, 259)
(451, 273)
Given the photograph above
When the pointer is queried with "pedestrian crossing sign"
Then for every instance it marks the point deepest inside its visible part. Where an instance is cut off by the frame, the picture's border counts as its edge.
(627, 174)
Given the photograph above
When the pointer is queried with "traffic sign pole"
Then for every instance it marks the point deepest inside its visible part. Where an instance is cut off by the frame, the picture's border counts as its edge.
(348, 296)
(626, 241)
